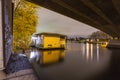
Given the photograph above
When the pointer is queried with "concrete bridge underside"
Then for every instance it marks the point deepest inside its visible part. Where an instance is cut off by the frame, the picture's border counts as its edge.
(101, 14)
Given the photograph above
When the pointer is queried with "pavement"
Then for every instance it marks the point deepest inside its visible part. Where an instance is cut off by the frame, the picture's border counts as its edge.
(2, 75)
(27, 74)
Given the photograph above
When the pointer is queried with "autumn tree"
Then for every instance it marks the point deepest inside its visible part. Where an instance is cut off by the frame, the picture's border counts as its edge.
(99, 35)
(24, 24)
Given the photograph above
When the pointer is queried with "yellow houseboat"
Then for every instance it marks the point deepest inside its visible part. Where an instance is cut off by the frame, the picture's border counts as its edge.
(49, 40)
(104, 44)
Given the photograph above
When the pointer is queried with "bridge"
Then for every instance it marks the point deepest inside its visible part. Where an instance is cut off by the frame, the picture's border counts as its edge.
(101, 14)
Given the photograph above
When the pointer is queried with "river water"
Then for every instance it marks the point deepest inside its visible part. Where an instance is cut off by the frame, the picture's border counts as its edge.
(80, 61)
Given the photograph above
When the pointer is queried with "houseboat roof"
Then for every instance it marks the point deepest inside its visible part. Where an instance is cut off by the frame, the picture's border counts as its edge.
(51, 34)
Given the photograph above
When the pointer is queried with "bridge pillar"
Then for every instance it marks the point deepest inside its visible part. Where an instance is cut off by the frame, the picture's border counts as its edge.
(5, 32)
(1, 38)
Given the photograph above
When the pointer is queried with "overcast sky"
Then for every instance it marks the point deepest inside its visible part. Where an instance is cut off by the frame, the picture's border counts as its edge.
(50, 21)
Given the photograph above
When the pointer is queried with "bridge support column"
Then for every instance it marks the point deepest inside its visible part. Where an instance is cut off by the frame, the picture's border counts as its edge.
(1, 38)
(5, 32)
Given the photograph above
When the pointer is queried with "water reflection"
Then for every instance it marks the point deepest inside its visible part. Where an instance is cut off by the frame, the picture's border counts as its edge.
(98, 52)
(44, 57)
(91, 51)
(33, 55)
(51, 56)
(76, 62)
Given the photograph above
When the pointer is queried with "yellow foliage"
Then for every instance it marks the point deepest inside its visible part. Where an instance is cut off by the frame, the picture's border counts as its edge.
(24, 25)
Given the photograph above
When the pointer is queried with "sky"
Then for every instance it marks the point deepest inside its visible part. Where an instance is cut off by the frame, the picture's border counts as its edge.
(50, 21)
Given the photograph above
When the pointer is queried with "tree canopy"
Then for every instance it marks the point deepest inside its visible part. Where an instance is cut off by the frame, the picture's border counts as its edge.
(24, 24)
(99, 35)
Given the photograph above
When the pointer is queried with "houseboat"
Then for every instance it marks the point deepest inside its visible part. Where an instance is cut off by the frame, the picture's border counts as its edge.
(49, 40)
(104, 44)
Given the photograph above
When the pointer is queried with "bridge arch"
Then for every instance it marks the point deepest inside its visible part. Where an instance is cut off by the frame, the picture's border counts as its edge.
(102, 14)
